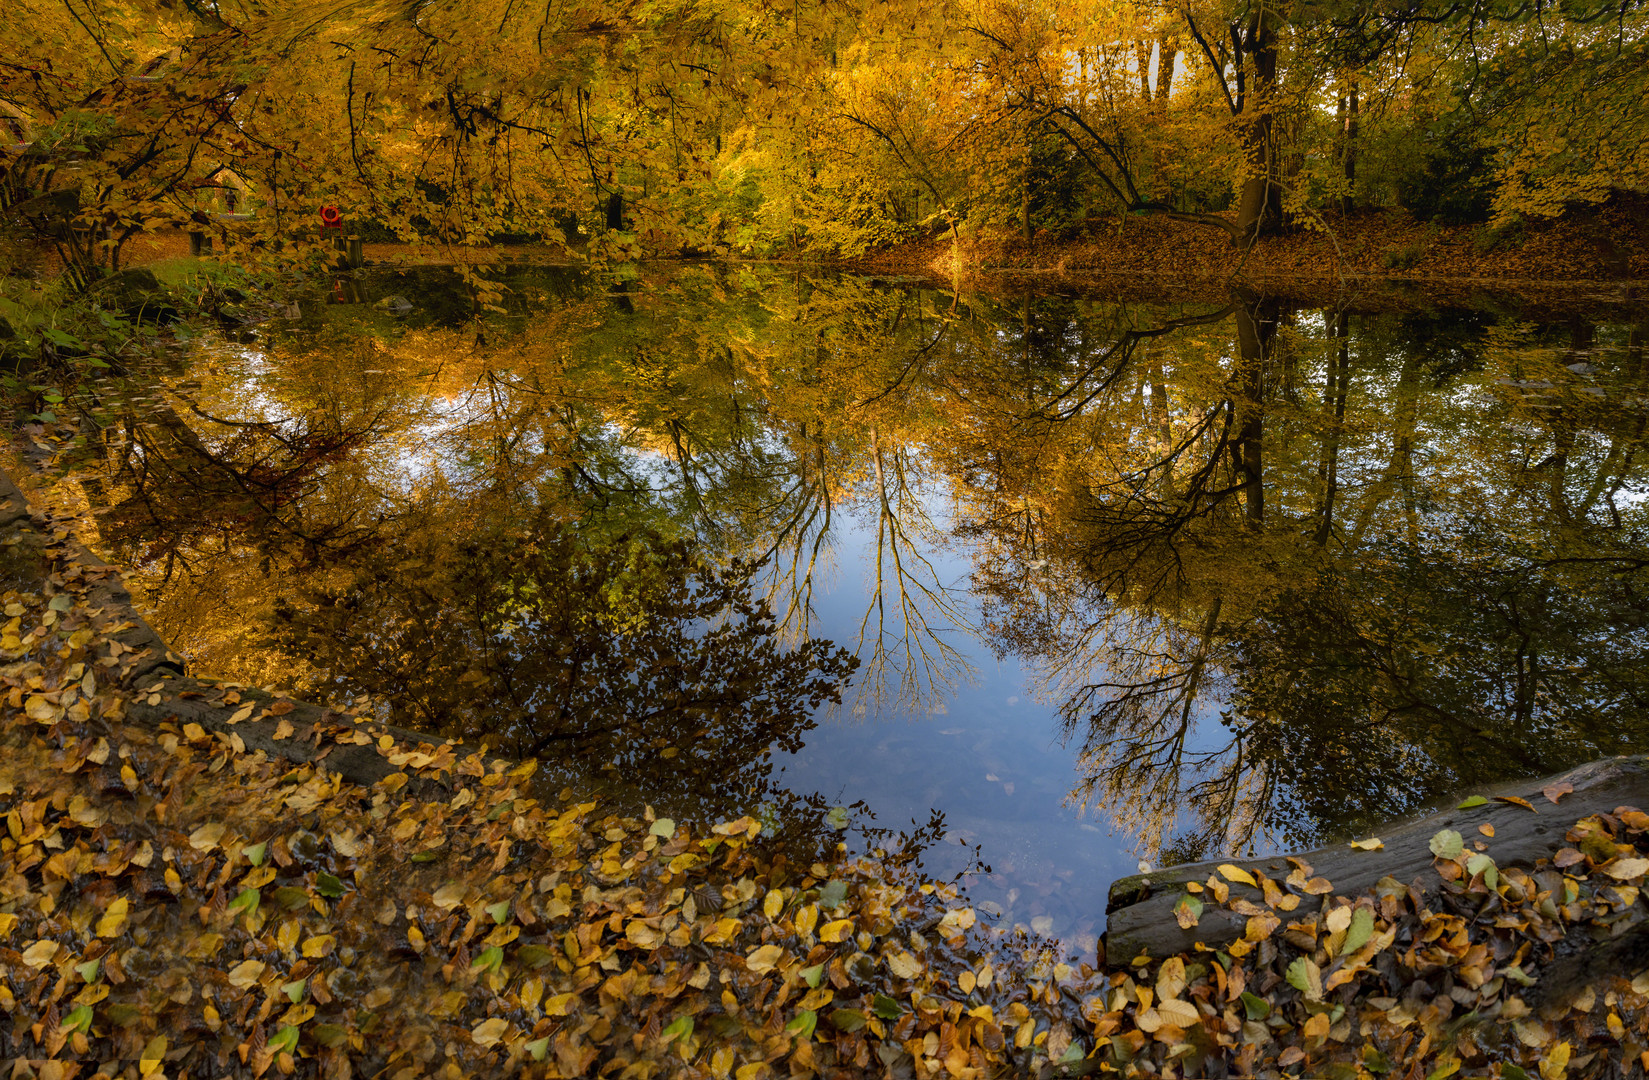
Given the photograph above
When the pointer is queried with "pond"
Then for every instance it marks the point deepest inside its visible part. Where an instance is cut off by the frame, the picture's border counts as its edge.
(1048, 584)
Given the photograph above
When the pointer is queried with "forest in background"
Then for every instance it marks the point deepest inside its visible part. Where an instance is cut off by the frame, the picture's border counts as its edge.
(824, 129)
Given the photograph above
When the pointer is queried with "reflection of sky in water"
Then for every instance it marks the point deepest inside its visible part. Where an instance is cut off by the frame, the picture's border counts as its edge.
(992, 762)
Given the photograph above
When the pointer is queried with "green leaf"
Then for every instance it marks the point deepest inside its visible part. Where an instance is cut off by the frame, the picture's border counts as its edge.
(847, 1019)
(1073, 1054)
(533, 956)
(885, 1007)
(813, 975)
(246, 902)
(285, 1039)
(78, 1020)
(1480, 863)
(1447, 844)
(328, 886)
(837, 819)
(1376, 1062)
(88, 970)
(491, 958)
(804, 1023)
(294, 990)
(123, 1015)
(1512, 1072)
(680, 1028)
(426, 856)
(500, 911)
(1473, 801)
(61, 602)
(256, 852)
(329, 1034)
(833, 894)
(1307, 978)
(1255, 1007)
(290, 897)
(663, 828)
(1360, 930)
(539, 1048)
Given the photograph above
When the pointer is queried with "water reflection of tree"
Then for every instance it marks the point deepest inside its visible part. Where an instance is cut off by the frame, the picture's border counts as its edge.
(1345, 551)
(631, 654)
(1202, 523)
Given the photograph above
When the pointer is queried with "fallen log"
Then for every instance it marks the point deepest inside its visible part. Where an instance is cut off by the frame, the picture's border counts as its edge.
(1528, 827)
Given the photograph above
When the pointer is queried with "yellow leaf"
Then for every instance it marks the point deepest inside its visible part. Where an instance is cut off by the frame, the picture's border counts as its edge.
(905, 966)
(806, 919)
(724, 931)
(40, 953)
(955, 921)
(1171, 978)
(114, 918)
(206, 837)
(1237, 874)
(1625, 869)
(319, 945)
(490, 1032)
(153, 1056)
(1182, 1014)
(641, 935)
(836, 931)
(773, 904)
(559, 1004)
(450, 895)
(1556, 1062)
(764, 959)
(245, 974)
(1373, 843)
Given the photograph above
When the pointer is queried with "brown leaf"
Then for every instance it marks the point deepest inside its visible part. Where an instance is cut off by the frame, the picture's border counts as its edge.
(1554, 792)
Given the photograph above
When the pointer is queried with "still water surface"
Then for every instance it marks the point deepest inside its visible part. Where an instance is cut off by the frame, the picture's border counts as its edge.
(1095, 580)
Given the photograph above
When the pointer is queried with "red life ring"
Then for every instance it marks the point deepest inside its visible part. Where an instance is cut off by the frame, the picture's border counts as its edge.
(330, 217)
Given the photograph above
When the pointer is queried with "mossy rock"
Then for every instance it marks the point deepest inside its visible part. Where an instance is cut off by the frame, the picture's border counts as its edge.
(137, 294)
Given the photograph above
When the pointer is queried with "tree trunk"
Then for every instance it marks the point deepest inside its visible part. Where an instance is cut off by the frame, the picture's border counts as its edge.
(1348, 154)
(1334, 392)
(1142, 57)
(1165, 70)
(1256, 325)
(1259, 205)
(615, 211)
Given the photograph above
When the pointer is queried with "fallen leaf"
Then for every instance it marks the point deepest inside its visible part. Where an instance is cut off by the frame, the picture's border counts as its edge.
(1447, 844)
(245, 974)
(490, 1032)
(1554, 792)
(1626, 869)
(1373, 843)
(1516, 800)
(764, 959)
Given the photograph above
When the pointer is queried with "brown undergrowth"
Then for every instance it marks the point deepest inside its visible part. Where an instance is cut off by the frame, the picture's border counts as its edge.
(1609, 243)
